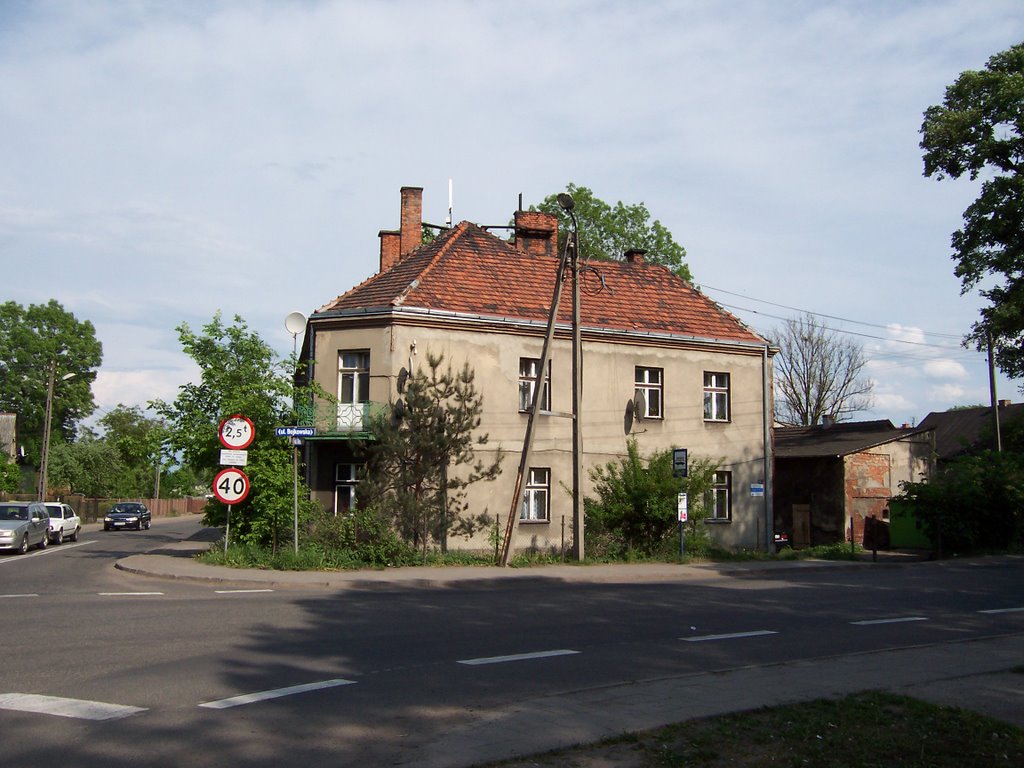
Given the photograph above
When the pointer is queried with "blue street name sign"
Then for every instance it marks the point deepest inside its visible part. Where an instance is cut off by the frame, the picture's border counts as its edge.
(295, 431)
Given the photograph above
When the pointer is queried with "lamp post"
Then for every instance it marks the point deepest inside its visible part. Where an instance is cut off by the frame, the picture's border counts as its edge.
(295, 323)
(568, 205)
(44, 457)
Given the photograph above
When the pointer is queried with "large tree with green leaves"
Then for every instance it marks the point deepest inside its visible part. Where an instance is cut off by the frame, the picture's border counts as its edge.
(239, 374)
(33, 340)
(978, 130)
(608, 231)
(423, 456)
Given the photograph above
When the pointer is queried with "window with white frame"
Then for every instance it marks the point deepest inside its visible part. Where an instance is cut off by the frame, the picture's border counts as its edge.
(719, 498)
(716, 396)
(346, 478)
(536, 496)
(353, 377)
(529, 369)
(649, 383)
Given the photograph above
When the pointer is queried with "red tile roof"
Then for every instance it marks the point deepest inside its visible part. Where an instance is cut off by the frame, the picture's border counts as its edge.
(470, 271)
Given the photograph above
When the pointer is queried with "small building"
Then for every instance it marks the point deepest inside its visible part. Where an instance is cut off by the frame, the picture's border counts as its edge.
(662, 364)
(831, 477)
(969, 430)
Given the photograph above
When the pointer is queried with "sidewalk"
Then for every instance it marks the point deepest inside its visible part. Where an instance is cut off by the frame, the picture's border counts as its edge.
(974, 674)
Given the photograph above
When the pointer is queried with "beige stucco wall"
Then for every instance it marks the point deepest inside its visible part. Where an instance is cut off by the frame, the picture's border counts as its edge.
(608, 384)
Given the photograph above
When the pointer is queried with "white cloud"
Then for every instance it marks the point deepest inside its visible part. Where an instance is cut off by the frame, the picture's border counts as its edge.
(945, 369)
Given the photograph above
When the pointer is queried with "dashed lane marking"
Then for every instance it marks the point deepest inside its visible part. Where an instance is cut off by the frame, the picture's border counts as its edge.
(896, 620)
(517, 657)
(240, 591)
(130, 594)
(253, 698)
(1002, 610)
(75, 708)
(730, 636)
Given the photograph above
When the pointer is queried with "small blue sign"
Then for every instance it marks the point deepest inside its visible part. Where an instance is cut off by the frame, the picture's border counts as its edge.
(295, 431)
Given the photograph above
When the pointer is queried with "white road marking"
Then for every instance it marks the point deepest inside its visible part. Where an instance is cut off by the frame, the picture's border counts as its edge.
(239, 591)
(253, 698)
(1003, 610)
(76, 708)
(898, 620)
(731, 636)
(50, 550)
(517, 657)
(130, 594)
(32, 594)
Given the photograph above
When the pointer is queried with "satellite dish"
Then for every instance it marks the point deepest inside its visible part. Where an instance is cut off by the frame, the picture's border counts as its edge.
(398, 412)
(403, 377)
(295, 323)
(639, 405)
(627, 421)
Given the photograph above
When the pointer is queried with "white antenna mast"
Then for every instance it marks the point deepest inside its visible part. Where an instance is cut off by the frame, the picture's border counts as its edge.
(449, 220)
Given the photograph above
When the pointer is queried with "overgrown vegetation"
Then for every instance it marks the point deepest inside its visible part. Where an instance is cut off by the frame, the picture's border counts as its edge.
(634, 514)
(972, 503)
(864, 730)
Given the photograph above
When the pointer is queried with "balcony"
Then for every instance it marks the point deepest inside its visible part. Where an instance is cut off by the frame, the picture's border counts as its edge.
(343, 421)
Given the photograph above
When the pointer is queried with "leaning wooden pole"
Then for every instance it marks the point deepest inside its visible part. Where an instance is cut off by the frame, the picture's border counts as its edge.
(524, 459)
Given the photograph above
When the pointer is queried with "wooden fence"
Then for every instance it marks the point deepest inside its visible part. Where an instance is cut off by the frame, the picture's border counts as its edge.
(91, 510)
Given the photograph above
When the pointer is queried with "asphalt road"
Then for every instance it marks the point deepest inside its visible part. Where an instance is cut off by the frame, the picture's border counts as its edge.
(177, 673)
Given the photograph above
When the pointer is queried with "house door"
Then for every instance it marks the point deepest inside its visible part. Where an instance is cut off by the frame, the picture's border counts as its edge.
(801, 526)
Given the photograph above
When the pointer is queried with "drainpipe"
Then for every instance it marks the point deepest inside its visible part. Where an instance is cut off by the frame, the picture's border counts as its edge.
(766, 407)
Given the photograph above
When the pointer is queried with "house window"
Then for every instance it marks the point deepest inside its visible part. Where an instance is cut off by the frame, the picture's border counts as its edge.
(719, 497)
(649, 385)
(529, 367)
(353, 389)
(346, 478)
(536, 496)
(716, 396)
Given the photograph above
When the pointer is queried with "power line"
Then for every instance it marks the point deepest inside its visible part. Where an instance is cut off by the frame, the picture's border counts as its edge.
(821, 314)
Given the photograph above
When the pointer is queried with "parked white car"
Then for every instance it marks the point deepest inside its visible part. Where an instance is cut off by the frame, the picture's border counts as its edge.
(64, 522)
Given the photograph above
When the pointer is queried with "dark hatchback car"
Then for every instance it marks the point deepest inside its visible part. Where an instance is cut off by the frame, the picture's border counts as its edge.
(127, 514)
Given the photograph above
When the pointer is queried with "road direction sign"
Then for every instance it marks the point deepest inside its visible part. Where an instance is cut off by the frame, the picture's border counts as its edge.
(236, 432)
(231, 485)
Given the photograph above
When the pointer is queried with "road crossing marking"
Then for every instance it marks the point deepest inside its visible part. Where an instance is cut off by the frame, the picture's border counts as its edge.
(730, 636)
(516, 657)
(75, 708)
(897, 620)
(253, 698)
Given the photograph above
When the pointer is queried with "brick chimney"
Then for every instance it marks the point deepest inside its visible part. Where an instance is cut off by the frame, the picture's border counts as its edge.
(412, 220)
(537, 233)
(635, 256)
(390, 244)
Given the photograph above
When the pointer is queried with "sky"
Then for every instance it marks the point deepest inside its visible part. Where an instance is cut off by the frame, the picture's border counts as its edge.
(161, 162)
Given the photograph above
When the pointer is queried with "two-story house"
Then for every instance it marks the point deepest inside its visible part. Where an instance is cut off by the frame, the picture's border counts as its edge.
(703, 376)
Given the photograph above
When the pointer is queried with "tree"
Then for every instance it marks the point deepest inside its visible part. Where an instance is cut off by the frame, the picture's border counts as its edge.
(817, 373)
(239, 374)
(10, 475)
(607, 232)
(90, 466)
(423, 456)
(635, 508)
(978, 130)
(138, 440)
(31, 340)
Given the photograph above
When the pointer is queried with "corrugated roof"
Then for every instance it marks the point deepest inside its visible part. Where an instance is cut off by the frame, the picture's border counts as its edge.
(839, 439)
(470, 271)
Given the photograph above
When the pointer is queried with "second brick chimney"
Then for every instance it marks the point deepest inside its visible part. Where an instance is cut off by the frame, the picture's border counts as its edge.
(412, 220)
(537, 233)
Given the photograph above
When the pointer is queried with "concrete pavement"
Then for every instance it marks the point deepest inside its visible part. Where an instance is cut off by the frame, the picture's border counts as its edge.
(975, 674)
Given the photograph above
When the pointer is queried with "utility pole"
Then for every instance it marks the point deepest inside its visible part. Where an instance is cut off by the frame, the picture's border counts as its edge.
(568, 205)
(992, 390)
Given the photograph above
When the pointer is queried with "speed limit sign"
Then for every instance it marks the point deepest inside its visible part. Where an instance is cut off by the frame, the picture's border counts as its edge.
(231, 485)
(236, 432)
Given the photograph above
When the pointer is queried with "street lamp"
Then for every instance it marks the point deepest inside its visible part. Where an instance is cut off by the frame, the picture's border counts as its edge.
(568, 205)
(44, 457)
(295, 324)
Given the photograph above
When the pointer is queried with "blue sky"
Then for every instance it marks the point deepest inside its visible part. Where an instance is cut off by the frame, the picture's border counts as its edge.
(161, 162)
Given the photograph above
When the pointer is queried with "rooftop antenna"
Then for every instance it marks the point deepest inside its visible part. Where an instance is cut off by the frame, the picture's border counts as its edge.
(448, 221)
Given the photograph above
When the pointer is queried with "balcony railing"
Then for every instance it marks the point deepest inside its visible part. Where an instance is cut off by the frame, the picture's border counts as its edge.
(344, 420)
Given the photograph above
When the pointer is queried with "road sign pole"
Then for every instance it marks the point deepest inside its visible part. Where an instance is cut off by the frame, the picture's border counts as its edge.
(295, 486)
(227, 531)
